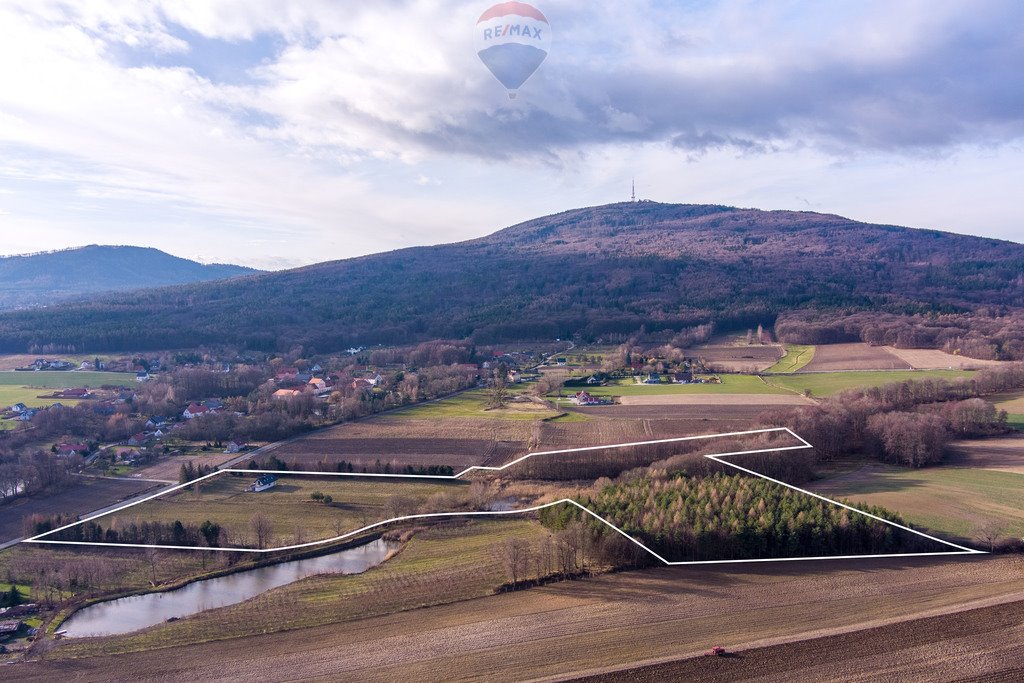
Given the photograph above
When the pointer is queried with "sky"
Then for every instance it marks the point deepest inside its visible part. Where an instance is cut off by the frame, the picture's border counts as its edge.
(275, 134)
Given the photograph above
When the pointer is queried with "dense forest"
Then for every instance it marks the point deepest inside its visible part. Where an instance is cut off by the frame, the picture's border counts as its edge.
(596, 273)
(731, 517)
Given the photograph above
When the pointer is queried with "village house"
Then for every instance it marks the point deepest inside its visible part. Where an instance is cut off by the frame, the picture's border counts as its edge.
(584, 398)
(286, 393)
(18, 408)
(194, 410)
(137, 439)
(683, 377)
(69, 449)
(317, 384)
(234, 447)
(267, 481)
(653, 378)
(361, 384)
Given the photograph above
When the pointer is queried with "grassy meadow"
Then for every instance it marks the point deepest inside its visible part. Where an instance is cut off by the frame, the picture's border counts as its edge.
(955, 502)
(827, 383)
(294, 517)
(797, 357)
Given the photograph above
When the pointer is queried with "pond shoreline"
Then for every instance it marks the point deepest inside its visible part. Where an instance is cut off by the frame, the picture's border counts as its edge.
(288, 556)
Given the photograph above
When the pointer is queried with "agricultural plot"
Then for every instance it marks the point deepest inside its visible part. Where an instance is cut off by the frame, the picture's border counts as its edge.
(86, 495)
(299, 509)
(730, 384)
(456, 442)
(52, 379)
(363, 627)
(764, 400)
(1013, 404)
(1004, 454)
(797, 356)
(953, 502)
(934, 359)
(739, 358)
(828, 383)
(859, 356)
(473, 404)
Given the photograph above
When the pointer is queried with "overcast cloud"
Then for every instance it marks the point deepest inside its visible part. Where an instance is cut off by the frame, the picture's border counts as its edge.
(274, 133)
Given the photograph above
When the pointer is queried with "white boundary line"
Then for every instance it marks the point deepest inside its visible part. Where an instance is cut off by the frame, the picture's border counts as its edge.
(717, 457)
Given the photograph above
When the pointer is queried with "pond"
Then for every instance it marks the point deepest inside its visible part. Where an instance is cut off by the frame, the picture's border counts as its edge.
(125, 615)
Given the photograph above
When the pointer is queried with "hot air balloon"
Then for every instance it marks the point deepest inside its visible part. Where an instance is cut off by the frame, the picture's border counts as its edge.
(512, 39)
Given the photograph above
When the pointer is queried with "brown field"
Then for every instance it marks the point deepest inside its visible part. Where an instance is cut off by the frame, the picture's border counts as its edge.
(978, 644)
(834, 357)
(1004, 454)
(455, 441)
(715, 400)
(167, 468)
(85, 496)
(933, 359)
(740, 358)
(616, 621)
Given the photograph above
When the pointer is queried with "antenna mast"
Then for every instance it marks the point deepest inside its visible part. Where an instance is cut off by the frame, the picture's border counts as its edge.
(632, 194)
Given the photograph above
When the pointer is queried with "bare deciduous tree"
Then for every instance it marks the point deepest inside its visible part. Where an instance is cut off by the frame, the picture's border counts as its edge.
(989, 534)
(515, 555)
(261, 529)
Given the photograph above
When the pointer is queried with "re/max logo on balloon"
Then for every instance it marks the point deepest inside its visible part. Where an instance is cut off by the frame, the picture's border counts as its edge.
(511, 30)
(512, 39)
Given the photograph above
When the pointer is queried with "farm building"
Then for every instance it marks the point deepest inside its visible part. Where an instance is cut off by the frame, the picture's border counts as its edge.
(267, 481)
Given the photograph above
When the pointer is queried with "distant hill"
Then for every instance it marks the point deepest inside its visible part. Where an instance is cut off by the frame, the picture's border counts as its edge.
(599, 272)
(46, 278)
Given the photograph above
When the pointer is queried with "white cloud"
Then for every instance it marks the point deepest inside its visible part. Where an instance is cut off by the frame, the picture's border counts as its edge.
(372, 126)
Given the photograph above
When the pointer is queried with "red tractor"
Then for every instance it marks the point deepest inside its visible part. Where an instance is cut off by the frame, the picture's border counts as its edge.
(715, 652)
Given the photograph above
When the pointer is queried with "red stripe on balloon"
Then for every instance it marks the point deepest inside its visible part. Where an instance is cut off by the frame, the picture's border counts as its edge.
(520, 8)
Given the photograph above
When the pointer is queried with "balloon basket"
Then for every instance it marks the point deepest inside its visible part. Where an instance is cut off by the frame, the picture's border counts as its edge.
(511, 95)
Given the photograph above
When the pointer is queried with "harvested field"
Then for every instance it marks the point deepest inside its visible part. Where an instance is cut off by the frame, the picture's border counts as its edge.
(934, 359)
(455, 441)
(858, 356)
(950, 501)
(740, 358)
(1005, 454)
(716, 400)
(571, 627)
(86, 495)
(915, 650)
(167, 468)
(293, 516)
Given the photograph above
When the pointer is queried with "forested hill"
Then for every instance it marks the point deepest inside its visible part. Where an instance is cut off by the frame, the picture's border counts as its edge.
(596, 272)
(45, 278)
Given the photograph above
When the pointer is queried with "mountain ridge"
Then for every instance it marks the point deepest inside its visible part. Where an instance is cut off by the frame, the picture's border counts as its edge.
(45, 278)
(597, 272)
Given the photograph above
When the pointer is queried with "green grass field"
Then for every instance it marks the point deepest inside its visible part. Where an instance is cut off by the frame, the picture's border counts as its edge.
(58, 380)
(731, 384)
(473, 403)
(828, 383)
(952, 501)
(293, 515)
(797, 357)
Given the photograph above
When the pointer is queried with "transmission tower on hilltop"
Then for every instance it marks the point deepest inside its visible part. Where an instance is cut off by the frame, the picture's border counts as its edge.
(632, 194)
